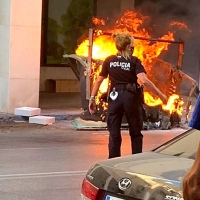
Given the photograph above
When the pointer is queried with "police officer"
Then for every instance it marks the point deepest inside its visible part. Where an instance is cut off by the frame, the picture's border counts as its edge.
(123, 70)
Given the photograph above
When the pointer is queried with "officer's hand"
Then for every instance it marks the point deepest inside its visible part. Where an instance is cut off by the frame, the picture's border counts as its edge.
(163, 98)
(92, 107)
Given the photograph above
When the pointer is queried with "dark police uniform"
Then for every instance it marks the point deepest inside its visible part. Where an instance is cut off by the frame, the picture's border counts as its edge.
(122, 72)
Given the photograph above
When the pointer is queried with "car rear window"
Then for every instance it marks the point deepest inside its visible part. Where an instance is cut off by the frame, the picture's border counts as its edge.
(184, 145)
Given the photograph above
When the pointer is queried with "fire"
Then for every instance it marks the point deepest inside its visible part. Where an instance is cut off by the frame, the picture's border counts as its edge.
(151, 101)
(104, 85)
(174, 104)
(97, 21)
(103, 46)
(146, 50)
(181, 25)
(187, 113)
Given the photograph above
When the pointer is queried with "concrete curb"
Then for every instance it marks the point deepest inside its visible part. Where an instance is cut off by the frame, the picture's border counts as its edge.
(12, 118)
(6, 118)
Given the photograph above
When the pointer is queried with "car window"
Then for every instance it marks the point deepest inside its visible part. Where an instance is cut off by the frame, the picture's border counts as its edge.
(184, 145)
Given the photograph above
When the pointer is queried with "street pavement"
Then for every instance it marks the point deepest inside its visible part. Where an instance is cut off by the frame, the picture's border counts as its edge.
(49, 162)
(40, 162)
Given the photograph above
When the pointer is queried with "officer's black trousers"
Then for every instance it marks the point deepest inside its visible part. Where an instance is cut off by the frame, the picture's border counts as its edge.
(126, 103)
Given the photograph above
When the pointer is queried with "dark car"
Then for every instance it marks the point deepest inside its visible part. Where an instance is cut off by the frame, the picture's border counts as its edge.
(154, 175)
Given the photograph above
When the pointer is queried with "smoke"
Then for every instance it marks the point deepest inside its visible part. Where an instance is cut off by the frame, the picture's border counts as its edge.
(162, 13)
(108, 10)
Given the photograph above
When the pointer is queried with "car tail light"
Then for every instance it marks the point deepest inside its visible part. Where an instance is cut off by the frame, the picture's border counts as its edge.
(89, 191)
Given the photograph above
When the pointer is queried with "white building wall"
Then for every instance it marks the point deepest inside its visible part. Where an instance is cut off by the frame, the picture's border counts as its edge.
(4, 52)
(20, 36)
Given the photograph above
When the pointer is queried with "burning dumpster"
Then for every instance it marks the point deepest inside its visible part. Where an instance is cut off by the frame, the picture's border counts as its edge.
(168, 78)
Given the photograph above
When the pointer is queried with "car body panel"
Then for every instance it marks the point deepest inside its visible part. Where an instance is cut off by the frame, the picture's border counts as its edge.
(151, 174)
(154, 175)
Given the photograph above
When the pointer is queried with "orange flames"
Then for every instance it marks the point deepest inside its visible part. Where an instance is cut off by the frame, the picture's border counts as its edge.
(181, 25)
(174, 104)
(97, 21)
(145, 50)
(103, 45)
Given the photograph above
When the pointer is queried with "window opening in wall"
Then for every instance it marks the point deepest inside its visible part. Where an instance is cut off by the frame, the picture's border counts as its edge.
(65, 24)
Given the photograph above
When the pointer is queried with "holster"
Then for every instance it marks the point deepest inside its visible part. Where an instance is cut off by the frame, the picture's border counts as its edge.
(140, 93)
(131, 87)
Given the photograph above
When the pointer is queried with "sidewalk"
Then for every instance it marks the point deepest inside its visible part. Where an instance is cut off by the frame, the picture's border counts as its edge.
(62, 106)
